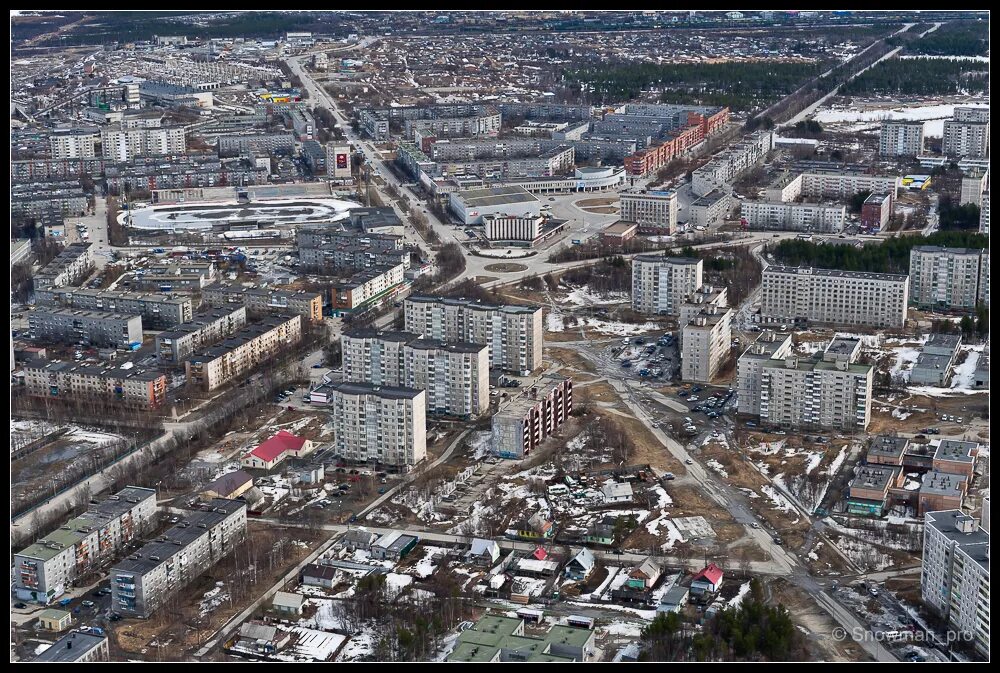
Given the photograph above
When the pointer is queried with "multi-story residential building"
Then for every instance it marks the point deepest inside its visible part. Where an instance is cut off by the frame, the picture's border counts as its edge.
(967, 133)
(262, 300)
(513, 333)
(338, 161)
(984, 278)
(876, 211)
(711, 209)
(93, 328)
(143, 582)
(174, 346)
(835, 297)
(258, 343)
(265, 144)
(661, 284)
(829, 390)
(487, 123)
(955, 574)
(900, 138)
(47, 170)
(386, 425)
(57, 200)
(728, 165)
(76, 647)
(703, 298)
(455, 376)
(75, 144)
(378, 284)
(655, 212)
(124, 144)
(974, 183)
(134, 387)
(813, 217)
(69, 267)
(705, 343)
(984, 213)
(525, 421)
(43, 571)
(812, 180)
(945, 277)
(158, 311)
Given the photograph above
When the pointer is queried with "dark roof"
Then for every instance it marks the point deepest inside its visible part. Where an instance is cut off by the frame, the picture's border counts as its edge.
(228, 482)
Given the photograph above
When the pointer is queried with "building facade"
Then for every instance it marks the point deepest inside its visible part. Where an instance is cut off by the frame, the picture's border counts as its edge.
(945, 277)
(705, 343)
(779, 215)
(133, 387)
(661, 284)
(174, 346)
(524, 423)
(158, 311)
(655, 212)
(386, 425)
(93, 328)
(252, 347)
(262, 300)
(901, 138)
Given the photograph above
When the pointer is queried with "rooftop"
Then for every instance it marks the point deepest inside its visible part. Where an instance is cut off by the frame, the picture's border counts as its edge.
(71, 647)
(834, 273)
(956, 450)
(495, 196)
(386, 392)
(975, 543)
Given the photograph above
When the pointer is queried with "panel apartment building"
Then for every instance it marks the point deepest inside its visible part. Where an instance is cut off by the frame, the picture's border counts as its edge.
(262, 300)
(69, 267)
(967, 133)
(655, 212)
(174, 346)
(386, 425)
(524, 423)
(93, 328)
(899, 138)
(258, 343)
(750, 366)
(143, 582)
(74, 144)
(828, 390)
(780, 215)
(834, 297)
(158, 311)
(455, 376)
(661, 284)
(133, 387)
(705, 343)
(43, 571)
(945, 277)
(955, 573)
(513, 333)
(124, 144)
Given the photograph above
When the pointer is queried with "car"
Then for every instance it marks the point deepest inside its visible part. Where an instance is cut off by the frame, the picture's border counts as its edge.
(754, 525)
(20, 606)
(713, 414)
(115, 617)
(669, 476)
(873, 591)
(655, 424)
(88, 604)
(778, 541)
(317, 366)
(688, 461)
(174, 519)
(696, 389)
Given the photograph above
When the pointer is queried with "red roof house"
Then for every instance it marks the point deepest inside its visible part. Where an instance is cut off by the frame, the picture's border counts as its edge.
(275, 450)
(540, 554)
(708, 580)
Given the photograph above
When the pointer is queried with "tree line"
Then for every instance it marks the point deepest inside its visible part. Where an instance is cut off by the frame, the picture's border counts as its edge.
(920, 77)
(955, 39)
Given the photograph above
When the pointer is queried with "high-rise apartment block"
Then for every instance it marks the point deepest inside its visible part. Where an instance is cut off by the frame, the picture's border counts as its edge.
(525, 421)
(661, 284)
(967, 133)
(655, 212)
(386, 425)
(899, 138)
(945, 277)
(124, 144)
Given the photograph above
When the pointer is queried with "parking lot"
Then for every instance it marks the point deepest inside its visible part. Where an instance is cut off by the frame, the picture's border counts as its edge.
(649, 359)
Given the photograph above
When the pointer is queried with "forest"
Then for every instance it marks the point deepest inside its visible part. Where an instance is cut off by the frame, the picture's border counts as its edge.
(739, 85)
(890, 256)
(920, 77)
(955, 39)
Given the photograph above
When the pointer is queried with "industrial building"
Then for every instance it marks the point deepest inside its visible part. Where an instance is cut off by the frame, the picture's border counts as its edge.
(143, 582)
(46, 569)
(513, 333)
(258, 343)
(119, 384)
(455, 376)
(661, 284)
(92, 328)
(521, 425)
(385, 425)
(835, 297)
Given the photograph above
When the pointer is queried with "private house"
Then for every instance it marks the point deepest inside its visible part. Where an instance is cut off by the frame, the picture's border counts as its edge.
(581, 566)
(358, 538)
(484, 553)
(644, 575)
(276, 449)
(708, 581)
(616, 492)
(393, 546)
(261, 638)
(535, 527)
(318, 575)
(285, 603)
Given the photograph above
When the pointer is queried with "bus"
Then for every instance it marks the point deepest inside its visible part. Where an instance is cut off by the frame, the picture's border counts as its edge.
(529, 615)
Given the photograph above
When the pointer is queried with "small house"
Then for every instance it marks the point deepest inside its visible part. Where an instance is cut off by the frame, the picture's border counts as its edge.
(229, 486)
(263, 638)
(483, 553)
(358, 538)
(644, 575)
(616, 492)
(54, 620)
(318, 575)
(274, 450)
(707, 581)
(580, 566)
(393, 546)
(535, 527)
(287, 604)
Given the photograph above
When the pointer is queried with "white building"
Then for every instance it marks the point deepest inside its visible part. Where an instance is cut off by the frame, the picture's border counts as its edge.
(749, 367)
(945, 277)
(780, 215)
(386, 425)
(705, 343)
(974, 184)
(965, 138)
(75, 144)
(900, 138)
(831, 296)
(338, 161)
(728, 165)
(513, 229)
(984, 214)
(661, 284)
(655, 212)
(455, 376)
(955, 574)
(122, 145)
(471, 205)
(512, 333)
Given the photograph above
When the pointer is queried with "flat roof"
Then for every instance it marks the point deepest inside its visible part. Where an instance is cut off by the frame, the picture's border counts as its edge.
(843, 345)
(388, 392)
(834, 273)
(931, 362)
(495, 196)
(886, 445)
(666, 260)
(942, 483)
(956, 450)
(473, 303)
(250, 331)
(974, 544)
(874, 477)
(71, 647)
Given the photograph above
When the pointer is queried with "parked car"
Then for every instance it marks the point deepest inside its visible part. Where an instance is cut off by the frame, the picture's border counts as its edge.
(20, 606)
(88, 604)
(689, 462)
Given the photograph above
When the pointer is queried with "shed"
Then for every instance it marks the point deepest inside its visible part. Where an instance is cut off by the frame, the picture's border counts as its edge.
(288, 603)
(54, 620)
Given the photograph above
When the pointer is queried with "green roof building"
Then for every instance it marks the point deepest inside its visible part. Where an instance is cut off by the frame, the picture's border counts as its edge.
(496, 638)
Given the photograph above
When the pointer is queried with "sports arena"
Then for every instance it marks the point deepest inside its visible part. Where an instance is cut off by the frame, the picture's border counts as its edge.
(288, 212)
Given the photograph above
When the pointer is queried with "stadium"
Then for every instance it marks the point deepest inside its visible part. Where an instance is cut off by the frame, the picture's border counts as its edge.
(287, 212)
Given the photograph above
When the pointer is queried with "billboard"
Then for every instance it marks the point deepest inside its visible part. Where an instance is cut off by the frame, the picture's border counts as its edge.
(338, 161)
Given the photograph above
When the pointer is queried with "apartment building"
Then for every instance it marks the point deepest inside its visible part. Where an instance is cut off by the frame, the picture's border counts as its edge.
(955, 574)
(262, 300)
(455, 376)
(703, 298)
(264, 144)
(705, 343)
(75, 144)
(984, 213)
(900, 138)
(378, 283)
(945, 277)
(984, 277)
(255, 345)
(520, 426)
(817, 181)
(835, 297)
(829, 390)
(487, 123)
(655, 212)
(76, 647)
(174, 346)
(779, 215)
(124, 144)
(512, 333)
(158, 311)
(728, 165)
(144, 581)
(121, 384)
(513, 229)
(338, 161)
(711, 209)
(69, 267)
(967, 133)
(44, 570)
(93, 328)
(974, 183)
(661, 284)
(386, 425)
(876, 211)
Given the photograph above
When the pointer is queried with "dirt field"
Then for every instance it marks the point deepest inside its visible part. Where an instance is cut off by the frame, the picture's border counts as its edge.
(805, 612)
(571, 358)
(591, 203)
